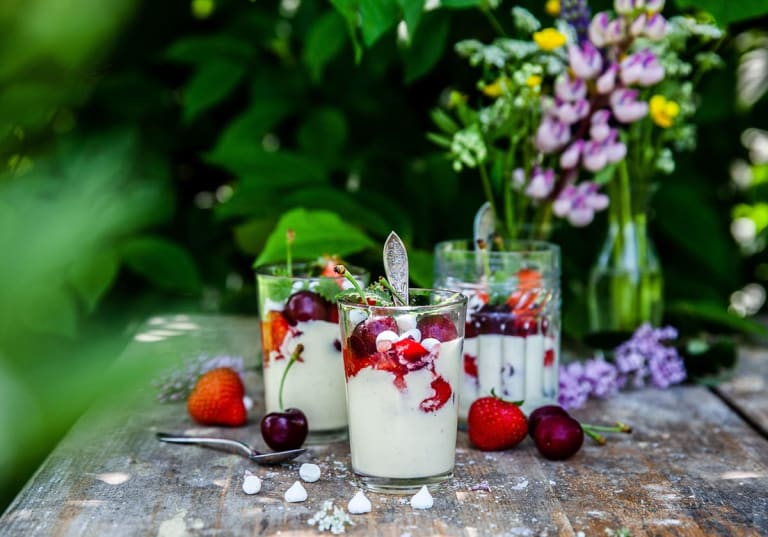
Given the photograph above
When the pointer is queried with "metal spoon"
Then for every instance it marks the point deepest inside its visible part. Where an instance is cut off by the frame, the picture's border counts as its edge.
(256, 456)
(396, 267)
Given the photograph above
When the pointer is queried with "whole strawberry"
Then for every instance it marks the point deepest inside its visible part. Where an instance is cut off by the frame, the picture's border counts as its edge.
(217, 399)
(495, 424)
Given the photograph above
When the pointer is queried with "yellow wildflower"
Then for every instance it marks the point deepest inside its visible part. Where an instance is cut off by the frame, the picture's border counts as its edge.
(663, 112)
(496, 89)
(549, 39)
(552, 7)
(534, 81)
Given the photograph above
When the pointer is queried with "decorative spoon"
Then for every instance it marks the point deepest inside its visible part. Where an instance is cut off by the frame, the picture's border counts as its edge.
(256, 456)
(396, 267)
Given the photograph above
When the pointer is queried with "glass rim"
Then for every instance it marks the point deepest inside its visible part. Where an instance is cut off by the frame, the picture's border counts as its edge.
(456, 298)
(533, 246)
(268, 271)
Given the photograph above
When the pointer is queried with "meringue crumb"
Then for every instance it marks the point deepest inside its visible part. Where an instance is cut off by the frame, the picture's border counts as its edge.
(330, 518)
(359, 504)
(422, 499)
(296, 493)
(251, 483)
(309, 472)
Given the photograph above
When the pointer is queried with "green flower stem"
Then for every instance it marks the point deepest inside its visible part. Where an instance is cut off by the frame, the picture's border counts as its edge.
(487, 187)
(294, 356)
(385, 283)
(290, 236)
(342, 271)
(493, 20)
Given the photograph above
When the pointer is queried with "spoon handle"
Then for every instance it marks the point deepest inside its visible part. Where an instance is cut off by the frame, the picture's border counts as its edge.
(396, 267)
(205, 441)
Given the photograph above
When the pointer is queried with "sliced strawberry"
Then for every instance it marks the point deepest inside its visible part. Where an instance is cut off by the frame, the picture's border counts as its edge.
(470, 365)
(442, 394)
(409, 350)
(273, 331)
(549, 357)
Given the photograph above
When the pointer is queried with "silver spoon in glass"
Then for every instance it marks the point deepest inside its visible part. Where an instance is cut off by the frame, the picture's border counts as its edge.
(256, 456)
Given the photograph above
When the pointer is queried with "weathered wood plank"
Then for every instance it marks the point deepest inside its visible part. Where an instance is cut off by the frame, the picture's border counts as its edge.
(748, 389)
(692, 467)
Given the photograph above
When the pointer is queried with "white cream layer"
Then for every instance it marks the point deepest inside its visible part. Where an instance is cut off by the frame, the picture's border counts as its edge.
(314, 386)
(389, 435)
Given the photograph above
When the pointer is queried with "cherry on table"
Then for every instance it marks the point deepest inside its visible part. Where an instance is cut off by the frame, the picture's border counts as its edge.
(543, 412)
(437, 326)
(284, 430)
(558, 437)
(305, 306)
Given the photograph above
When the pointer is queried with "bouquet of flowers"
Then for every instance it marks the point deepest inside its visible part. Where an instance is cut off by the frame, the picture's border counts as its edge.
(563, 111)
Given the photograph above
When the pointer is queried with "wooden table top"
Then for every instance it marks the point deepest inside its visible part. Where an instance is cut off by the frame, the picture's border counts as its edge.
(696, 464)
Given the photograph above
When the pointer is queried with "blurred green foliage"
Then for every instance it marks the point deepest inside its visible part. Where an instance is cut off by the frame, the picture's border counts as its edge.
(149, 149)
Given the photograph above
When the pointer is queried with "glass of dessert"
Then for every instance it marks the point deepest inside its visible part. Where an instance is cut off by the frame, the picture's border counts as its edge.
(298, 313)
(402, 364)
(512, 336)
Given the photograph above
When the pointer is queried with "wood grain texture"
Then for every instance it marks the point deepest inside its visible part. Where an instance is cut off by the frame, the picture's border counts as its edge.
(692, 467)
(747, 391)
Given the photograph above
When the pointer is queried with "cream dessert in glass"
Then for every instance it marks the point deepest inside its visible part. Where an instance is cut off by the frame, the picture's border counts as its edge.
(301, 309)
(512, 336)
(403, 371)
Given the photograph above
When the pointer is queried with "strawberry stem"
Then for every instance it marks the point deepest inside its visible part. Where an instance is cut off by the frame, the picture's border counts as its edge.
(341, 270)
(290, 236)
(391, 289)
(516, 403)
(294, 356)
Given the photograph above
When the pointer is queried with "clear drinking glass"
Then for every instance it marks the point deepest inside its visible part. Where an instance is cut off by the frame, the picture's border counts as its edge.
(300, 309)
(512, 337)
(403, 371)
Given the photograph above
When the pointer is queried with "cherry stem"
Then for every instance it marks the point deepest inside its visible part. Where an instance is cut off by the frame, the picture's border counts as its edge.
(516, 403)
(618, 428)
(385, 283)
(290, 236)
(600, 439)
(341, 270)
(295, 356)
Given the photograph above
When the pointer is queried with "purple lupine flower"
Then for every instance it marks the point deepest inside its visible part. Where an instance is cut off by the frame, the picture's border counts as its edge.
(570, 89)
(598, 29)
(577, 14)
(599, 129)
(518, 178)
(571, 112)
(626, 108)
(638, 26)
(594, 158)
(570, 157)
(641, 68)
(585, 60)
(615, 32)
(578, 203)
(654, 6)
(644, 355)
(624, 7)
(551, 135)
(614, 148)
(542, 183)
(574, 391)
(655, 27)
(607, 81)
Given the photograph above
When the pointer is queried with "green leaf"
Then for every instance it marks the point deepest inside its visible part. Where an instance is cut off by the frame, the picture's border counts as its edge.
(716, 316)
(324, 133)
(265, 169)
(348, 10)
(324, 40)
(427, 46)
(376, 17)
(251, 235)
(57, 315)
(412, 11)
(328, 288)
(164, 263)
(444, 121)
(317, 233)
(727, 12)
(461, 4)
(210, 48)
(604, 176)
(211, 84)
(92, 276)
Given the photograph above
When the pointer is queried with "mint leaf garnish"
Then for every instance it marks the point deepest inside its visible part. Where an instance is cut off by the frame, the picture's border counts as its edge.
(328, 288)
(280, 289)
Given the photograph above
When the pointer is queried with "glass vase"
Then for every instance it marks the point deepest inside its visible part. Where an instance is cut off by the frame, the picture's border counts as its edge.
(626, 284)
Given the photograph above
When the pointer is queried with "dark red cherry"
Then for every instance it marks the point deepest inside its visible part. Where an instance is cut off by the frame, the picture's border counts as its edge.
(305, 306)
(284, 430)
(558, 437)
(439, 327)
(363, 338)
(541, 413)
(493, 319)
(470, 329)
(526, 325)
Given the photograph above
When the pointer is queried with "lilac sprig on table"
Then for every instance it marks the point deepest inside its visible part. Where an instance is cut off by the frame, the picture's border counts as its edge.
(645, 359)
(177, 383)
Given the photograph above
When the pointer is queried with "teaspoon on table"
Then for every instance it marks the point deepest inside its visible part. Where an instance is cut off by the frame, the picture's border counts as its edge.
(256, 456)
